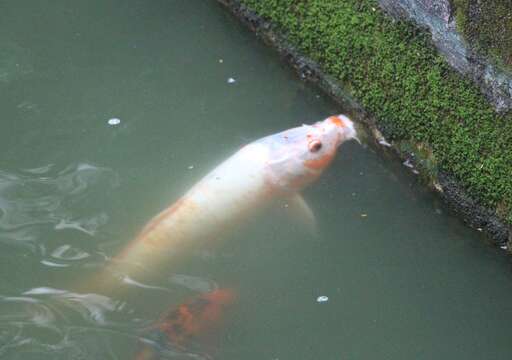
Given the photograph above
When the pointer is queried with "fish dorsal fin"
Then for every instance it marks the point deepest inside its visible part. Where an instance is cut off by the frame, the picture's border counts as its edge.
(300, 211)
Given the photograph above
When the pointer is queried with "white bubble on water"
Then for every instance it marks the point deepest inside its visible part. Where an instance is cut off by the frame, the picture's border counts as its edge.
(114, 121)
(322, 299)
(231, 80)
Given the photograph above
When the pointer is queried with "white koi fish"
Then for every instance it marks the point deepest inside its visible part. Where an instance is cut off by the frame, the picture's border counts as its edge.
(276, 166)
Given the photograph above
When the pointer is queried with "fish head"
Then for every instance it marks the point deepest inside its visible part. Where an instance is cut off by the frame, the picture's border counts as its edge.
(299, 155)
(197, 315)
(187, 326)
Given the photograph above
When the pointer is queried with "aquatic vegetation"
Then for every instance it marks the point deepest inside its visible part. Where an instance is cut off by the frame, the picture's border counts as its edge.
(393, 70)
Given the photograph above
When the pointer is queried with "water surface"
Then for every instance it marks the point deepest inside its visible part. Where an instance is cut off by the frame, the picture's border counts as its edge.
(403, 277)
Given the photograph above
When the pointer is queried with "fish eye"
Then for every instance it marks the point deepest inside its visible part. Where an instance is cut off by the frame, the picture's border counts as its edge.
(315, 146)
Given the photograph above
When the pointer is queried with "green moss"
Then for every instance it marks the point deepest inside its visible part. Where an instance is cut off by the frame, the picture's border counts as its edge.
(487, 26)
(395, 73)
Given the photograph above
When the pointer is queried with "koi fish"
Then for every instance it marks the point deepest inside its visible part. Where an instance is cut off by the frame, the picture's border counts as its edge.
(183, 328)
(278, 166)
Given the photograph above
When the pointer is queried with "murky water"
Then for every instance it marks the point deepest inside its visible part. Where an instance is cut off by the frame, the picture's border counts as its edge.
(404, 279)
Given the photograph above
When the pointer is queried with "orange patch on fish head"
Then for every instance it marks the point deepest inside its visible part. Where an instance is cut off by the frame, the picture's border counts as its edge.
(336, 120)
(320, 154)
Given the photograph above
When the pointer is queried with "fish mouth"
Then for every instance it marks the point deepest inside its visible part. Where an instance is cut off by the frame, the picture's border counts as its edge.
(356, 138)
(359, 129)
(346, 126)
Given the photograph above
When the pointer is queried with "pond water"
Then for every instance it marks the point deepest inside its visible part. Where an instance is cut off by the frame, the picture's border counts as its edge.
(112, 109)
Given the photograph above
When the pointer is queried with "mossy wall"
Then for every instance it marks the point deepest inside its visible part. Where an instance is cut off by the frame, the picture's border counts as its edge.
(487, 26)
(396, 74)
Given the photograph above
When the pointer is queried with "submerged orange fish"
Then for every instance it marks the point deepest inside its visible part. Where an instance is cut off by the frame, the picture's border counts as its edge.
(189, 325)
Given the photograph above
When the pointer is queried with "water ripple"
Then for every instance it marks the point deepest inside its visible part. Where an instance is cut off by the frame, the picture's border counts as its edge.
(93, 308)
(45, 195)
(42, 323)
(66, 252)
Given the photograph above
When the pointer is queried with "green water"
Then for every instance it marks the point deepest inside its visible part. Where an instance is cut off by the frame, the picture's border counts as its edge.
(403, 277)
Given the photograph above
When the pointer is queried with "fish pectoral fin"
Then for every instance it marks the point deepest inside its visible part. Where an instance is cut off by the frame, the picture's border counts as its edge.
(297, 207)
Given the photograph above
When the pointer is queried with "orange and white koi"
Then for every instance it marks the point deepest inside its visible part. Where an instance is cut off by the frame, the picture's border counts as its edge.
(187, 327)
(278, 166)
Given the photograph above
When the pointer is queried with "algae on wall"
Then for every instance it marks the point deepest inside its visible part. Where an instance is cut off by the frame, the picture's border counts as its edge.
(487, 26)
(396, 74)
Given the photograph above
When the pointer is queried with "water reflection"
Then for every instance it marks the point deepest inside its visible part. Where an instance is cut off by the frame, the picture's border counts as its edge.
(60, 324)
(45, 195)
